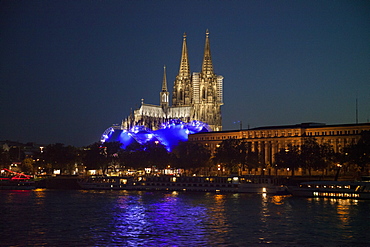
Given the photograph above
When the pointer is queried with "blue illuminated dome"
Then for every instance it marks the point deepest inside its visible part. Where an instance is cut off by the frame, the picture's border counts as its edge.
(169, 135)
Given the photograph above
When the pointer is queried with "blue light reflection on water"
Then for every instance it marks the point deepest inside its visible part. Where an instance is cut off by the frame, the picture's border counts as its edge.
(138, 218)
(159, 221)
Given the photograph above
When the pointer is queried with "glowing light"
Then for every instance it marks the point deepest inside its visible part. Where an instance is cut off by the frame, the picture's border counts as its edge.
(107, 133)
(169, 135)
(336, 194)
(17, 175)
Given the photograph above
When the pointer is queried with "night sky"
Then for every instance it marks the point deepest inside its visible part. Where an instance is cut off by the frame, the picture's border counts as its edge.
(71, 69)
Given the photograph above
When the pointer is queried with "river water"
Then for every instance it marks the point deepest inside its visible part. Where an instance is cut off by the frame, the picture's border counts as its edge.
(139, 218)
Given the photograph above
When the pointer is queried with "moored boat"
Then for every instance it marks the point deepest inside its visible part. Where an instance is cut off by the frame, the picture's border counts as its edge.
(185, 183)
(332, 189)
(13, 184)
(16, 181)
(103, 183)
(262, 185)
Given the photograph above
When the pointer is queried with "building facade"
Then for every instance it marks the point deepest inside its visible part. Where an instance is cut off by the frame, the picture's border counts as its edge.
(195, 96)
(267, 141)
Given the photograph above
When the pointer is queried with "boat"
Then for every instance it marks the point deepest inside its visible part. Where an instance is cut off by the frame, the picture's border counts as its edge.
(261, 184)
(103, 183)
(16, 181)
(9, 184)
(185, 183)
(332, 189)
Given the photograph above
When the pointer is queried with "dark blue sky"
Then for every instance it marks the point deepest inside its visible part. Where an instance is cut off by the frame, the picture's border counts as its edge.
(70, 69)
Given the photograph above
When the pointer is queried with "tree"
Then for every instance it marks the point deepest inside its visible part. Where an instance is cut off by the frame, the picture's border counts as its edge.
(329, 157)
(288, 158)
(93, 156)
(314, 155)
(359, 153)
(191, 156)
(253, 159)
(4, 158)
(60, 157)
(134, 156)
(16, 153)
(102, 156)
(156, 155)
(243, 156)
(27, 165)
(111, 152)
(231, 153)
(138, 156)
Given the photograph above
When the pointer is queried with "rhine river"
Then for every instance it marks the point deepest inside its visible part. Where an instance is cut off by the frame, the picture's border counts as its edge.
(140, 218)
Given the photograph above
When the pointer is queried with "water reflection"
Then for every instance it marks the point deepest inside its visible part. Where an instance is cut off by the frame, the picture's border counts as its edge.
(40, 195)
(264, 208)
(343, 213)
(142, 218)
(279, 199)
(165, 217)
(333, 201)
(18, 196)
(216, 215)
(343, 216)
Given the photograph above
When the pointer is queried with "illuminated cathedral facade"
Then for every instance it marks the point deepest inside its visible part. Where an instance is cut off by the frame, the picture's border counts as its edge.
(196, 96)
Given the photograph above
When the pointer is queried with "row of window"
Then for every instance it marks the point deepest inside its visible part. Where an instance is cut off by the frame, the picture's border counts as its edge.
(274, 134)
(338, 132)
(261, 134)
(337, 144)
(207, 138)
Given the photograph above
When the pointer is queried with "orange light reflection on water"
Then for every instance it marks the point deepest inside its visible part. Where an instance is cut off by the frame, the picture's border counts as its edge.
(279, 199)
(217, 213)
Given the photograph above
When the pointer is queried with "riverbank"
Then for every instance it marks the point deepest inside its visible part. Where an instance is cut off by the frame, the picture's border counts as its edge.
(67, 182)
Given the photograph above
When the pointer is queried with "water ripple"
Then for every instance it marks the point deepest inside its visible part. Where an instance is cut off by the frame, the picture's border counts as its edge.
(137, 218)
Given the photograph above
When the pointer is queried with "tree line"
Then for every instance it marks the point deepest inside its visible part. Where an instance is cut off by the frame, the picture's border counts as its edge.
(112, 156)
(311, 155)
(232, 155)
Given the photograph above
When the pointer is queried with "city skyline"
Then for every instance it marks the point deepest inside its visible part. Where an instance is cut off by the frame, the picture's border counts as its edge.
(70, 70)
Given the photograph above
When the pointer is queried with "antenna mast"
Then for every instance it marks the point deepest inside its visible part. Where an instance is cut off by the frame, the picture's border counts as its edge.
(356, 110)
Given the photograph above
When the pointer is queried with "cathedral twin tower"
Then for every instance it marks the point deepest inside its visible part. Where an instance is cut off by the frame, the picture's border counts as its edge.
(196, 96)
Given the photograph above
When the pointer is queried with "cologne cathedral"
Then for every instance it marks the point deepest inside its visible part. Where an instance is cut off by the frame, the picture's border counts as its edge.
(196, 96)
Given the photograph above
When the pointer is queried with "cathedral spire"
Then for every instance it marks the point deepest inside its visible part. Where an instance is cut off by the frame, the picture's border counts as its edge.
(207, 66)
(164, 83)
(184, 71)
(164, 94)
